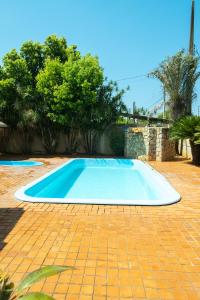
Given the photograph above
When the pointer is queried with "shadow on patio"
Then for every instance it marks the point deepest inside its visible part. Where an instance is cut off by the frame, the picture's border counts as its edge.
(8, 219)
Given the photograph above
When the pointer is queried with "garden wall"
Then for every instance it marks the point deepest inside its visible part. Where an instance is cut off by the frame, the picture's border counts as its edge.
(149, 143)
(15, 144)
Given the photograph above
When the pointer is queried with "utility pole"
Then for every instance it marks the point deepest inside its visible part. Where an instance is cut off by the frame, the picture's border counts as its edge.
(191, 52)
(134, 107)
(191, 43)
(164, 102)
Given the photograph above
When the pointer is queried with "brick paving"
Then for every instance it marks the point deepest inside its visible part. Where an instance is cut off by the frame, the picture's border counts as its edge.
(119, 252)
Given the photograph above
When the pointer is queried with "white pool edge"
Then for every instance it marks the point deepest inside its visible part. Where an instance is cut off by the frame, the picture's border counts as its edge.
(36, 164)
(172, 198)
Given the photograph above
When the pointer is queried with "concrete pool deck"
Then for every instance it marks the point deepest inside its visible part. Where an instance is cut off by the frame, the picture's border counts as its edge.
(119, 252)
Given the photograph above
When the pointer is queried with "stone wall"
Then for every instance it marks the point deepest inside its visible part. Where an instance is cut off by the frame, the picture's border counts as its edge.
(149, 143)
(134, 143)
(165, 148)
(150, 137)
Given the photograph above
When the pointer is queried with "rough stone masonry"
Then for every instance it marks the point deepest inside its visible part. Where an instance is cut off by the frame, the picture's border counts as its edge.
(149, 143)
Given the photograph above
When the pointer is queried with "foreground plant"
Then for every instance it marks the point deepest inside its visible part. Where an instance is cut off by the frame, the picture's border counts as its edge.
(8, 291)
(188, 128)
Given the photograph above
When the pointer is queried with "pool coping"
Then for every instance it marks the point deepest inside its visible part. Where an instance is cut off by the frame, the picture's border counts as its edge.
(173, 194)
(35, 163)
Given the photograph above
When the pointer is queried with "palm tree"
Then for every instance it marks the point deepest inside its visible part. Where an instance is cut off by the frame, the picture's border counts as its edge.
(188, 128)
(178, 75)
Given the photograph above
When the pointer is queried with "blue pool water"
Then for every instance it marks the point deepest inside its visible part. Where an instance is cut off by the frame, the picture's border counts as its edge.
(113, 181)
(20, 163)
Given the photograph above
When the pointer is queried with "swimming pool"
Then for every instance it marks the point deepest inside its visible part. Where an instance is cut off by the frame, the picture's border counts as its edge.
(101, 181)
(19, 163)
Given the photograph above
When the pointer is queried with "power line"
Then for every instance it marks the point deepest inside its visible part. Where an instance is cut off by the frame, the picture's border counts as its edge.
(132, 77)
(136, 77)
(154, 103)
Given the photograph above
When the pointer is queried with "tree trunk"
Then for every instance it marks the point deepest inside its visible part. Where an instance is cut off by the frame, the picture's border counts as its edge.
(181, 147)
(176, 147)
(26, 135)
(4, 139)
(89, 141)
(195, 149)
(49, 139)
(71, 141)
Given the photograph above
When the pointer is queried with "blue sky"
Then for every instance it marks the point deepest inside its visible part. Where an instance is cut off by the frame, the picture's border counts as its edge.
(130, 37)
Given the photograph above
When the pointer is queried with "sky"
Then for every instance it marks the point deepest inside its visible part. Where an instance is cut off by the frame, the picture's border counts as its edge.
(130, 37)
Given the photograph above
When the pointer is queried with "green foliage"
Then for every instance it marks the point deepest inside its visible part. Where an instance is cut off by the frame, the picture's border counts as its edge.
(7, 101)
(139, 111)
(10, 57)
(179, 74)
(109, 105)
(38, 275)
(36, 296)
(9, 292)
(33, 54)
(51, 87)
(186, 128)
(6, 286)
(55, 47)
(69, 88)
(103, 113)
(117, 140)
(167, 115)
(48, 81)
(72, 53)
(70, 92)
(197, 135)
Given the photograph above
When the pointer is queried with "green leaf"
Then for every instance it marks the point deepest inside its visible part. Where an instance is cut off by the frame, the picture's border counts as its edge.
(186, 128)
(40, 274)
(36, 296)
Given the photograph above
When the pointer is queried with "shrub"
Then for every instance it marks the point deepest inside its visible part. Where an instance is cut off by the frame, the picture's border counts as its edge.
(8, 291)
(117, 140)
(188, 128)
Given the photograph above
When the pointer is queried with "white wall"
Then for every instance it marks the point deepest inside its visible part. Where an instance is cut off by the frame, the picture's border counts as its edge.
(186, 152)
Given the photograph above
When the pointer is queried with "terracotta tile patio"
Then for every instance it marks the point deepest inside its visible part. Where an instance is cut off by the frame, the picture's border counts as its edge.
(119, 252)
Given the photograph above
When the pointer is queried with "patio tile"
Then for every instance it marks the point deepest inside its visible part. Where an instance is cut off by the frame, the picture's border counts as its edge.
(119, 252)
(87, 289)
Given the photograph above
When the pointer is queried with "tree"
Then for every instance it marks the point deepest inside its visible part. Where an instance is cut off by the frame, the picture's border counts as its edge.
(102, 114)
(26, 125)
(50, 87)
(139, 111)
(72, 53)
(188, 128)
(33, 54)
(16, 68)
(48, 80)
(22, 106)
(55, 47)
(179, 74)
(15, 90)
(8, 112)
(69, 90)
